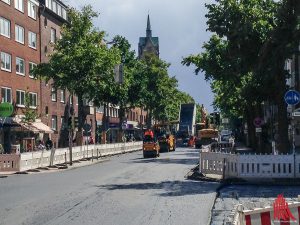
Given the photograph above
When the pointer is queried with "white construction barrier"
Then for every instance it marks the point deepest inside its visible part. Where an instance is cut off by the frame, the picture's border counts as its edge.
(249, 166)
(9, 162)
(36, 159)
(265, 216)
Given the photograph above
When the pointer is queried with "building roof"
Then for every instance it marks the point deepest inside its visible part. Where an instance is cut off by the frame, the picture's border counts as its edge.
(154, 40)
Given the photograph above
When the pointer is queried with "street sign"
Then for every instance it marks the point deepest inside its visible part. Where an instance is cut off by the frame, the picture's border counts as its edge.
(6, 109)
(292, 97)
(225, 120)
(258, 130)
(258, 122)
(296, 113)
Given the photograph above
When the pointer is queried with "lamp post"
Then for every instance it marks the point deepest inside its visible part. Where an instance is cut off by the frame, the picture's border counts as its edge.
(71, 128)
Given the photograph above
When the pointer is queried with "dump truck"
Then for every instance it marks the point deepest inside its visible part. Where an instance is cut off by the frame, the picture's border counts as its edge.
(187, 120)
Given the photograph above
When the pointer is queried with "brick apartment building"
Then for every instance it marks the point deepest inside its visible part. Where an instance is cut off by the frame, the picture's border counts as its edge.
(136, 120)
(54, 103)
(28, 29)
(20, 51)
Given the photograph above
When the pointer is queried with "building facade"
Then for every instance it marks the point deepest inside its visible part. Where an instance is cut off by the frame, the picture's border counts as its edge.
(20, 52)
(28, 31)
(56, 103)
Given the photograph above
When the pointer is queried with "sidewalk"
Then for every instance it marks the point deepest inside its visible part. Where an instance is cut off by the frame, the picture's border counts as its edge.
(250, 196)
(58, 167)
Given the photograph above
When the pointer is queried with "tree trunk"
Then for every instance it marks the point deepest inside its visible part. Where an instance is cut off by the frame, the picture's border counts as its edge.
(149, 119)
(251, 127)
(81, 119)
(283, 139)
(121, 120)
(103, 138)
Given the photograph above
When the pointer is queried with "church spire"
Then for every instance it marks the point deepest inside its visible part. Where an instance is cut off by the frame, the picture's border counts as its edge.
(148, 30)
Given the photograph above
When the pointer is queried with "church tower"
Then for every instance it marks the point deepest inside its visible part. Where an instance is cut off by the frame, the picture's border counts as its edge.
(148, 44)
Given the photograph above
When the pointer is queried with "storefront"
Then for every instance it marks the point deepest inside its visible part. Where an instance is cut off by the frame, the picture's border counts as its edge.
(17, 136)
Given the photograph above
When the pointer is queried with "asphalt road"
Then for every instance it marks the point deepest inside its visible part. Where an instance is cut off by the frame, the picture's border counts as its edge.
(125, 190)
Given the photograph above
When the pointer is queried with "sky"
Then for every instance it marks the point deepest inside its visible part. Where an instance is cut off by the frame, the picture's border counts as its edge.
(180, 26)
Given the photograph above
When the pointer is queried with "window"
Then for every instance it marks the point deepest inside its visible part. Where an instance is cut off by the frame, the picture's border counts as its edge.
(49, 4)
(62, 122)
(32, 39)
(20, 98)
(53, 94)
(64, 13)
(31, 67)
(71, 99)
(20, 66)
(19, 34)
(6, 1)
(62, 96)
(54, 4)
(31, 10)
(59, 9)
(4, 27)
(54, 123)
(5, 61)
(53, 35)
(32, 99)
(5, 94)
(19, 5)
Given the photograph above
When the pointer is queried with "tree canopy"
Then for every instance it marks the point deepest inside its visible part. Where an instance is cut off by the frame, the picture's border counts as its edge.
(80, 61)
(244, 58)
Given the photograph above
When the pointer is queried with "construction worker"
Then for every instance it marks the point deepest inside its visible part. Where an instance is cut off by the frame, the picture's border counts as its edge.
(150, 133)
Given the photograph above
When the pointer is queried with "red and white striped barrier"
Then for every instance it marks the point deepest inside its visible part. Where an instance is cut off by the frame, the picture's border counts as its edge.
(265, 216)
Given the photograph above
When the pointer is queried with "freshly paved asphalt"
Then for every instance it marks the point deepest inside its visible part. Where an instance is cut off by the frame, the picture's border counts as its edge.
(125, 190)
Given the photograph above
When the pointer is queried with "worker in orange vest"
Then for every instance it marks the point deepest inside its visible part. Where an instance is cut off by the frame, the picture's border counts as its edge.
(150, 133)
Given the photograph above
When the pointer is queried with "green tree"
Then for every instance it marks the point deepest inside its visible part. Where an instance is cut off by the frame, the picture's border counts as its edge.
(81, 62)
(152, 88)
(199, 113)
(282, 42)
(230, 58)
(30, 114)
(128, 61)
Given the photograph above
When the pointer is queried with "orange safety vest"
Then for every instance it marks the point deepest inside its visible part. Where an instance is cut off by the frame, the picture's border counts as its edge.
(149, 132)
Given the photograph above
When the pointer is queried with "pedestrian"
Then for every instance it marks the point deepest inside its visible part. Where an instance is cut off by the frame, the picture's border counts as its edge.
(49, 144)
(41, 146)
(29, 146)
(91, 140)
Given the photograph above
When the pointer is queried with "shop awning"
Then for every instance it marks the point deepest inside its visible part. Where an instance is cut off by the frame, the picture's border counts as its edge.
(43, 128)
(35, 127)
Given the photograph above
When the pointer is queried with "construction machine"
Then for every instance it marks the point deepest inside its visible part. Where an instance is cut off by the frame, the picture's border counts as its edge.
(150, 145)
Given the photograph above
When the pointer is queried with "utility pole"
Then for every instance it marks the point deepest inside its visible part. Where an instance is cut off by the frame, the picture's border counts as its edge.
(70, 126)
